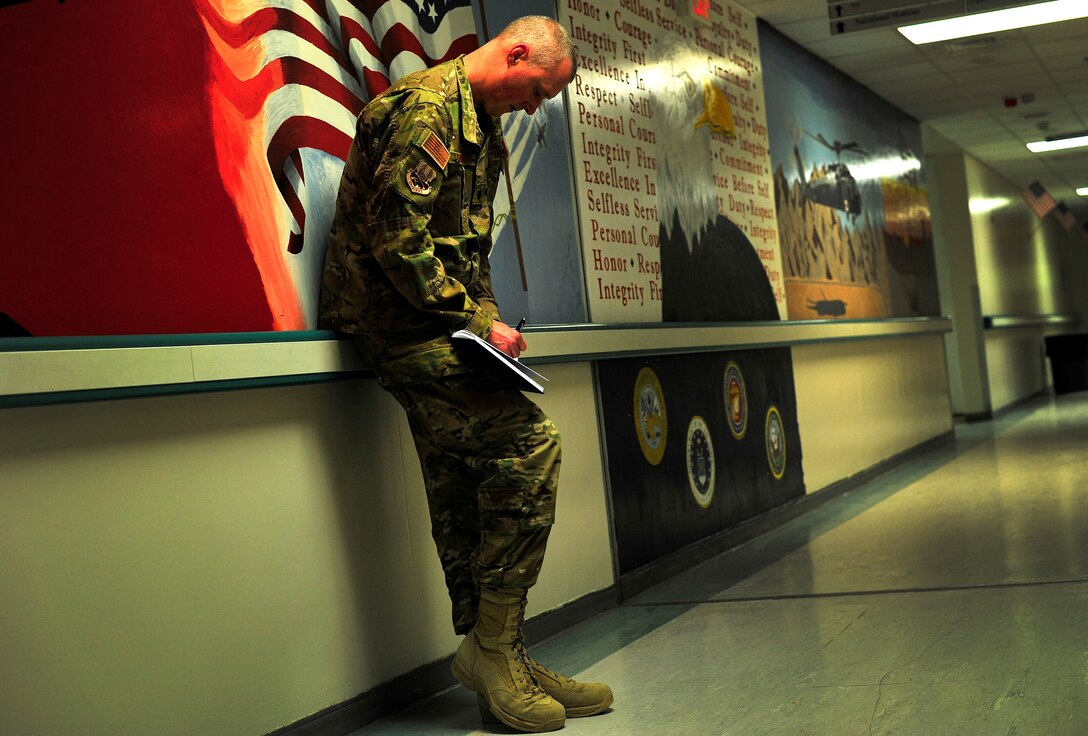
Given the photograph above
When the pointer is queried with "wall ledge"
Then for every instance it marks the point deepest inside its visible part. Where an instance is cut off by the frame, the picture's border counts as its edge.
(62, 370)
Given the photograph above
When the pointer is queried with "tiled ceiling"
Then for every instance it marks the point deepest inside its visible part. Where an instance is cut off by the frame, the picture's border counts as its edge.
(960, 87)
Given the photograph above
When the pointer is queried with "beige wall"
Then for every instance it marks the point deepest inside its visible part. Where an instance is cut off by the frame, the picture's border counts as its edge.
(860, 403)
(1024, 268)
(1019, 257)
(1017, 365)
(996, 258)
(229, 563)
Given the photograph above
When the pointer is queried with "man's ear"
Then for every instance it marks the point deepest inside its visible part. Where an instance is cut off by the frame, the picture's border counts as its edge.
(518, 52)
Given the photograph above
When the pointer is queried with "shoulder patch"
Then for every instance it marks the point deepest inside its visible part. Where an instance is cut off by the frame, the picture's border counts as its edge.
(433, 146)
(421, 178)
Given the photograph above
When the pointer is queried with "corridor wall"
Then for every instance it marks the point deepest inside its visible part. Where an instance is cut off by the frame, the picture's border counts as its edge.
(229, 563)
(1007, 279)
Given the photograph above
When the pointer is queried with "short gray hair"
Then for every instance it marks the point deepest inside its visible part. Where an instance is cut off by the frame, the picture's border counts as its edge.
(549, 40)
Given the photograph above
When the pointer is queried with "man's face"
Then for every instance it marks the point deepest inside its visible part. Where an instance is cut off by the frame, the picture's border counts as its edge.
(524, 87)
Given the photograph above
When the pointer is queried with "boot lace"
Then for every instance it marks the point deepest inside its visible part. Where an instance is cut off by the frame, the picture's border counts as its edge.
(539, 670)
(521, 654)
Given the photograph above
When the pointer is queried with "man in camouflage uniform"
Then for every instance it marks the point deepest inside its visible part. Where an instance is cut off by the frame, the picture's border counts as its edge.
(406, 266)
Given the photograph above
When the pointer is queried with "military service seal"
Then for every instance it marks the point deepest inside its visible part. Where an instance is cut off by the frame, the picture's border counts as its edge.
(651, 420)
(700, 462)
(736, 400)
(775, 438)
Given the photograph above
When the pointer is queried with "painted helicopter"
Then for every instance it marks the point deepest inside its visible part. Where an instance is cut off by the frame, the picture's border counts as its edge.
(832, 184)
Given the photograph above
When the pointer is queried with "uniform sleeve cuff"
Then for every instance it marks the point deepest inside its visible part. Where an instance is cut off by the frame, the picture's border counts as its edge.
(480, 324)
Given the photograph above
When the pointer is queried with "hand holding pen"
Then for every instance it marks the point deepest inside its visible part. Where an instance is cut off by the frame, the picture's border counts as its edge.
(506, 338)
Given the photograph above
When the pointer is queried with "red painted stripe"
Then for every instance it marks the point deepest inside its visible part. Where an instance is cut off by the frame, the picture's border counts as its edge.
(267, 19)
(249, 95)
(401, 38)
(375, 82)
(285, 143)
(352, 30)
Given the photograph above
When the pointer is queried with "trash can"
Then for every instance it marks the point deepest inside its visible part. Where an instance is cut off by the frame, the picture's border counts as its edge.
(1068, 362)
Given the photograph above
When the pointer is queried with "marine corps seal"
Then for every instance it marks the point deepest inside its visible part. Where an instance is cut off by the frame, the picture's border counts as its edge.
(736, 400)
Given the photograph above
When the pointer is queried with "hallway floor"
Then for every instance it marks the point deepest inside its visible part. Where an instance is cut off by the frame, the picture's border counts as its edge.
(947, 597)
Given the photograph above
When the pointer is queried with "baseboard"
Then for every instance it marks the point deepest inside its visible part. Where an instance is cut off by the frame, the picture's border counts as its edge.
(434, 677)
(667, 567)
(990, 415)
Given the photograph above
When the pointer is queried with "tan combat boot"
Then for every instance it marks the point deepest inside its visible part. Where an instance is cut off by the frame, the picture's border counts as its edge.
(491, 661)
(579, 699)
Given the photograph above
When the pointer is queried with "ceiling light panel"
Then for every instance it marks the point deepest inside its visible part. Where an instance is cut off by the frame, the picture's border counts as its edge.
(978, 24)
(1061, 144)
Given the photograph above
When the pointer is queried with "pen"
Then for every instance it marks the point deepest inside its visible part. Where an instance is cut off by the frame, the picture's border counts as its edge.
(521, 323)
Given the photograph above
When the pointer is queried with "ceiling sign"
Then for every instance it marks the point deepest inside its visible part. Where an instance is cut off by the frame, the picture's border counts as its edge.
(862, 15)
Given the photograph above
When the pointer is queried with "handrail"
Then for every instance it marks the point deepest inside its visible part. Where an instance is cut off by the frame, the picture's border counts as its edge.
(60, 370)
(1006, 321)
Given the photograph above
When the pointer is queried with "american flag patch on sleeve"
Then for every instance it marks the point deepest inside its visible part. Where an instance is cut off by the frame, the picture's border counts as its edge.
(435, 148)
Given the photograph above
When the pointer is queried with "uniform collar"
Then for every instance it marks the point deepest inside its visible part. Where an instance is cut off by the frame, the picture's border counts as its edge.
(471, 127)
(470, 121)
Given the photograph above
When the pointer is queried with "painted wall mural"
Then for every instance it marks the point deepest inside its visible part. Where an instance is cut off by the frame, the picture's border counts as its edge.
(176, 166)
(178, 161)
(672, 171)
(677, 213)
(536, 261)
(850, 194)
(288, 80)
(696, 444)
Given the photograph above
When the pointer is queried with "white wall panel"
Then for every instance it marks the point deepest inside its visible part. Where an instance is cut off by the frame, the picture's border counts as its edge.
(859, 404)
(229, 563)
(1017, 365)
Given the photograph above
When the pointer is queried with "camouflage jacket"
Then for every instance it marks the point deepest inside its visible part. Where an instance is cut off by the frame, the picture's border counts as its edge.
(407, 258)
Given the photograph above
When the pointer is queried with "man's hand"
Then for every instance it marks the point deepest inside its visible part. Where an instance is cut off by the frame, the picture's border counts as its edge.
(506, 339)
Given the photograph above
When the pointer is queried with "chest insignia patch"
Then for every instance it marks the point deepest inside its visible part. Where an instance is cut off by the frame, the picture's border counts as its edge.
(421, 178)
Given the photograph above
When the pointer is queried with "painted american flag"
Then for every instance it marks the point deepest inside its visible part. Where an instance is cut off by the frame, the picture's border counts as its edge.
(288, 80)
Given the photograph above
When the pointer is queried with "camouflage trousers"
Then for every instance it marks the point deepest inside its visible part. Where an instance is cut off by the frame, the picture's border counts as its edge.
(490, 460)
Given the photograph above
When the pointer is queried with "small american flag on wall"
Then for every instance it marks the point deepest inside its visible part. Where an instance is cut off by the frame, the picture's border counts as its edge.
(289, 78)
(1062, 214)
(1040, 202)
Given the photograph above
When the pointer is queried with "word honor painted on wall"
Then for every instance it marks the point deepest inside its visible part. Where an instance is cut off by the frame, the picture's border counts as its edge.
(668, 130)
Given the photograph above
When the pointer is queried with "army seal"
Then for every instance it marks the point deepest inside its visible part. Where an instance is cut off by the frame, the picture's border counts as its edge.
(651, 420)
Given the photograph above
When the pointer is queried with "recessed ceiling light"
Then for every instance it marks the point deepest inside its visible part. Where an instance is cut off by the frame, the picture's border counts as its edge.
(1083, 191)
(1058, 144)
(995, 21)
